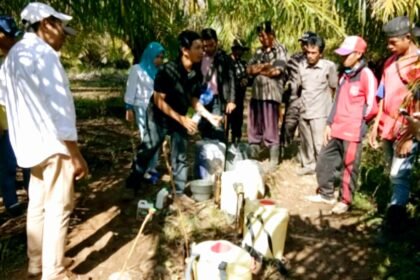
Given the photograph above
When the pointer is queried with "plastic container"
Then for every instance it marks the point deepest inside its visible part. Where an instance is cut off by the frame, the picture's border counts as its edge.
(161, 198)
(218, 260)
(196, 117)
(143, 207)
(201, 189)
(248, 174)
(265, 222)
(210, 158)
(235, 154)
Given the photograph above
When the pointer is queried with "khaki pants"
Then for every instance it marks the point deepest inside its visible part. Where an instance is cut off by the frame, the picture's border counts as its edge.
(51, 200)
(312, 138)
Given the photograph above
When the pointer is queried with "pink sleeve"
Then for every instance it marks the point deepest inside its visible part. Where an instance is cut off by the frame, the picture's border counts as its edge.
(371, 85)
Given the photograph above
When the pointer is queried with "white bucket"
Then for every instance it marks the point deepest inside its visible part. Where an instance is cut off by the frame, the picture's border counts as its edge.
(248, 174)
(201, 189)
(218, 260)
(265, 223)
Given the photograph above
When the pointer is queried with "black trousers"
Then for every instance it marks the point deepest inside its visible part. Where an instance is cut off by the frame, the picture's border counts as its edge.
(344, 157)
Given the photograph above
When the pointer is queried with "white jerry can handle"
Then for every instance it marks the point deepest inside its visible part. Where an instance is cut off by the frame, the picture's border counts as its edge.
(143, 204)
(189, 270)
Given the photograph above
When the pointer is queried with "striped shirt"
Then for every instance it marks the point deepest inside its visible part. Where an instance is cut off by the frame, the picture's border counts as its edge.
(265, 88)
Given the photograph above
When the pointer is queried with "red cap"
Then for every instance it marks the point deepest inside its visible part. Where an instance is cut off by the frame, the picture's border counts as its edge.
(352, 44)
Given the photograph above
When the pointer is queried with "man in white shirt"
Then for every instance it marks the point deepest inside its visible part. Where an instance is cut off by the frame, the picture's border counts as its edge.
(42, 127)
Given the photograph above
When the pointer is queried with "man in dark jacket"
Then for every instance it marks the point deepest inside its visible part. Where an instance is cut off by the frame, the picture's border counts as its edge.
(236, 118)
(218, 78)
(291, 96)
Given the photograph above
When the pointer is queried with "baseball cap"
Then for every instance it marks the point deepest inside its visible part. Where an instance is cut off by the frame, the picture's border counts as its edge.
(400, 26)
(239, 44)
(36, 11)
(8, 26)
(352, 44)
(306, 36)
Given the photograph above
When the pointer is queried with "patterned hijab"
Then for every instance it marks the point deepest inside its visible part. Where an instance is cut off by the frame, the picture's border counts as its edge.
(147, 59)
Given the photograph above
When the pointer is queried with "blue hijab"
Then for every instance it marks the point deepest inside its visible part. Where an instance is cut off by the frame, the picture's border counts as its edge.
(149, 54)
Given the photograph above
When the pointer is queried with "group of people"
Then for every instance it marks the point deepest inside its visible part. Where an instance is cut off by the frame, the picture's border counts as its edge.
(331, 111)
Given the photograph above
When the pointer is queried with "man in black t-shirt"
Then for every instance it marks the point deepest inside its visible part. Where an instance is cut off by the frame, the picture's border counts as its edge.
(177, 86)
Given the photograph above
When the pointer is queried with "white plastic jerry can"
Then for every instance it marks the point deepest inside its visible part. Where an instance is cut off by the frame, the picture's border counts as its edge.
(265, 227)
(218, 260)
(246, 173)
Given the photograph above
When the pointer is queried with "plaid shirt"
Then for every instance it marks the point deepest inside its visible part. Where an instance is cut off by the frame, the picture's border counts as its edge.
(265, 88)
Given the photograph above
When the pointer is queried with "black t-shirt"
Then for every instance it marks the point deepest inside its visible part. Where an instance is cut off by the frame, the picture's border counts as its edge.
(179, 86)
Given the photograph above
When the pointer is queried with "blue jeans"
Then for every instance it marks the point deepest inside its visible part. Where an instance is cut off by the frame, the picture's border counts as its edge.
(401, 170)
(154, 136)
(7, 171)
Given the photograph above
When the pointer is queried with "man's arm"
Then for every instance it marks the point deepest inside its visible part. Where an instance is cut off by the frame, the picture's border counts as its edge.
(159, 100)
(199, 108)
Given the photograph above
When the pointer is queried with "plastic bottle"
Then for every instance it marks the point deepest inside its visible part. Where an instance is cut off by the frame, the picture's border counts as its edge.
(196, 117)
(161, 198)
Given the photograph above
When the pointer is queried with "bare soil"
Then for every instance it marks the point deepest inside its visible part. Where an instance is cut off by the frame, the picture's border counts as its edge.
(103, 225)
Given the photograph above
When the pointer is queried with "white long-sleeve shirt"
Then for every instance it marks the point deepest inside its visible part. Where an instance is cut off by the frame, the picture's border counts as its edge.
(139, 87)
(39, 105)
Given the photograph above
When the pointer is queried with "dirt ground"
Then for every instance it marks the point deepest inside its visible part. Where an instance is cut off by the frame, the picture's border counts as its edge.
(103, 225)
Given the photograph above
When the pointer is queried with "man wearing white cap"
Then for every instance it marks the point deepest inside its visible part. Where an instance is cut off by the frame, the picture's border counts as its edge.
(42, 125)
(354, 105)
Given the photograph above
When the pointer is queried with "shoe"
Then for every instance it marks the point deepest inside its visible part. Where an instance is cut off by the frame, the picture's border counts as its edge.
(15, 210)
(68, 275)
(133, 181)
(340, 208)
(152, 177)
(305, 171)
(274, 155)
(318, 198)
(36, 272)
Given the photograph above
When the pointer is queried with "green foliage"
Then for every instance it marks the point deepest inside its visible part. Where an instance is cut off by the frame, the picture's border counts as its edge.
(138, 22)
(96, 108)
(12, 254)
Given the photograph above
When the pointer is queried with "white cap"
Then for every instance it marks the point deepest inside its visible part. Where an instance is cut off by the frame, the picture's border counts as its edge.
(36, 11)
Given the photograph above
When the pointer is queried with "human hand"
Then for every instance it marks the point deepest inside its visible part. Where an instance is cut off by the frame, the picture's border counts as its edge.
(327, 135)
(373, 135)
(215, 120)
(243, 82)
(129, 115)
(414, 125)
(403, 148)
(189, 125)
(230, 107)
(80, 168)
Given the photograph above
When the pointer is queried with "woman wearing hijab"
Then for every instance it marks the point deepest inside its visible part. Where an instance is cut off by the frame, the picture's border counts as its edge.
(139, 90)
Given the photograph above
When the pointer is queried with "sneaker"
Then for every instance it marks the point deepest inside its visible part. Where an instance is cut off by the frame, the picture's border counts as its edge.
(36, 272)
(318, 198)
(305, 171)
(340, 208)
